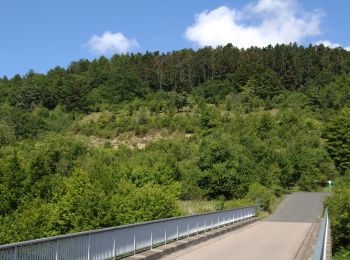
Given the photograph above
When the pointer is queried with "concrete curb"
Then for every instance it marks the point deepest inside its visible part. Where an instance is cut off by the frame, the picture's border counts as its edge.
(159, 252)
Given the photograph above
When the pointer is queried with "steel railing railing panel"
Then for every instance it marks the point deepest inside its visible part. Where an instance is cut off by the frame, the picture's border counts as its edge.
(201, 224)
(6, 255)
(192, 225)
(171, 230)
(183, 226)
(118, 241)
(74, 248)
(142, 236)
(211, 221)
(45, 250)
(102, 245)
(124, 240)
(158, 233)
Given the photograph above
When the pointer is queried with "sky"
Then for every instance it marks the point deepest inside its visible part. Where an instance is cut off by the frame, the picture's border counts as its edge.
(41, 34)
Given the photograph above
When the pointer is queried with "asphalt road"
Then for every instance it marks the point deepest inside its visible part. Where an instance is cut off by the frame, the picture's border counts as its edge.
(278, 237)
(300, 207)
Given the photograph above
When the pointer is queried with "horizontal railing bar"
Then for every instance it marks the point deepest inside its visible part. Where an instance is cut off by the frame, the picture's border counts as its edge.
(83, 233)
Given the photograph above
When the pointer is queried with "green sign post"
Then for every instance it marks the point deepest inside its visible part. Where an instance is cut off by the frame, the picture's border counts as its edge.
(330, 184)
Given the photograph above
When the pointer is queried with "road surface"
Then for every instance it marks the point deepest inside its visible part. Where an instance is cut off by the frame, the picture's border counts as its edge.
(278, 237)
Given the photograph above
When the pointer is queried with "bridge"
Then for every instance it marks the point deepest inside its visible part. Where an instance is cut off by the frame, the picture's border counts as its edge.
(292, 232)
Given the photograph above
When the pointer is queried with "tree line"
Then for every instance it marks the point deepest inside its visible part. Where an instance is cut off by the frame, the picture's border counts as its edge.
(85, 85)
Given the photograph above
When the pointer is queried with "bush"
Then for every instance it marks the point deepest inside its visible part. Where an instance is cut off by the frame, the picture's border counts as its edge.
(131, 204)
(339, 211)
(261, 196)
(7, 134)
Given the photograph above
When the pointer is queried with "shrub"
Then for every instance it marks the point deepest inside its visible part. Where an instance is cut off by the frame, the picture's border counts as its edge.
(261, 196)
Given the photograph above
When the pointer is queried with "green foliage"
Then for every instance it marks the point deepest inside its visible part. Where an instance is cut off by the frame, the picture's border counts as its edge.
(180, 100)
(337, 134)
(30, 222)
(339, 211)
(7, 134)
(83, 205)
(218, 163)
(209, 117)
(342, 254)
(24, 124)
(261, 196)
(213, 91)
(131, 204)
(12, 185)
(267, 84)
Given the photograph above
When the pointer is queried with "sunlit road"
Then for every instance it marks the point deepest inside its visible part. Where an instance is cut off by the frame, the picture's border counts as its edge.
(278, 237)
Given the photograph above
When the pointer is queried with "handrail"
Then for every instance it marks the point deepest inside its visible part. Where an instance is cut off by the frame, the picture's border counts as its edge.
(321, 246)
(121, 240)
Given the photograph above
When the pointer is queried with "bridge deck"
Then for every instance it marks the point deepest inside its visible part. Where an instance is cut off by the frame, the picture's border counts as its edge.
(278, 237)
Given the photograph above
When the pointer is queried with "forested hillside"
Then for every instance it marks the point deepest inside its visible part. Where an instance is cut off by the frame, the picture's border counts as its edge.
(127, 139)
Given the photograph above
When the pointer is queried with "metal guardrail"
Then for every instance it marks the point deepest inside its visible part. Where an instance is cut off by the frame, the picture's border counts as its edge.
(321, 246)
(118, 241)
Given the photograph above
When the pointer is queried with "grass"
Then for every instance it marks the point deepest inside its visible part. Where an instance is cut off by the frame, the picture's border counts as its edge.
(191, 207)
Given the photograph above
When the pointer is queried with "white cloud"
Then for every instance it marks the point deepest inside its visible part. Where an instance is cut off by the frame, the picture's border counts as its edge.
(110, 43)
(332, 44)
(328, 44)
(257, 24)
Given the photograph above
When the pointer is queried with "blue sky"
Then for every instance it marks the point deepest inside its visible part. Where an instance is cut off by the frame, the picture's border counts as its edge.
(41, 34)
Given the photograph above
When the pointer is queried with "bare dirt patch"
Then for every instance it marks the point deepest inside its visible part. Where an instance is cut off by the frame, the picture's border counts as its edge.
(133, 141)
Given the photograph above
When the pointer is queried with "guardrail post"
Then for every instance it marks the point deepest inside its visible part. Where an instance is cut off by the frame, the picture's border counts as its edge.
(134, 242)
(56, 253)
(14, 253)
(197, 227)
(89, 244)
(165, 235)
(151, 239)
(188, 230)
(205, 225)
(114, 245)
(177, 232)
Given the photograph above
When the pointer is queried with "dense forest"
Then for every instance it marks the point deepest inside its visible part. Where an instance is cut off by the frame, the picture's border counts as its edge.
(135, 137)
